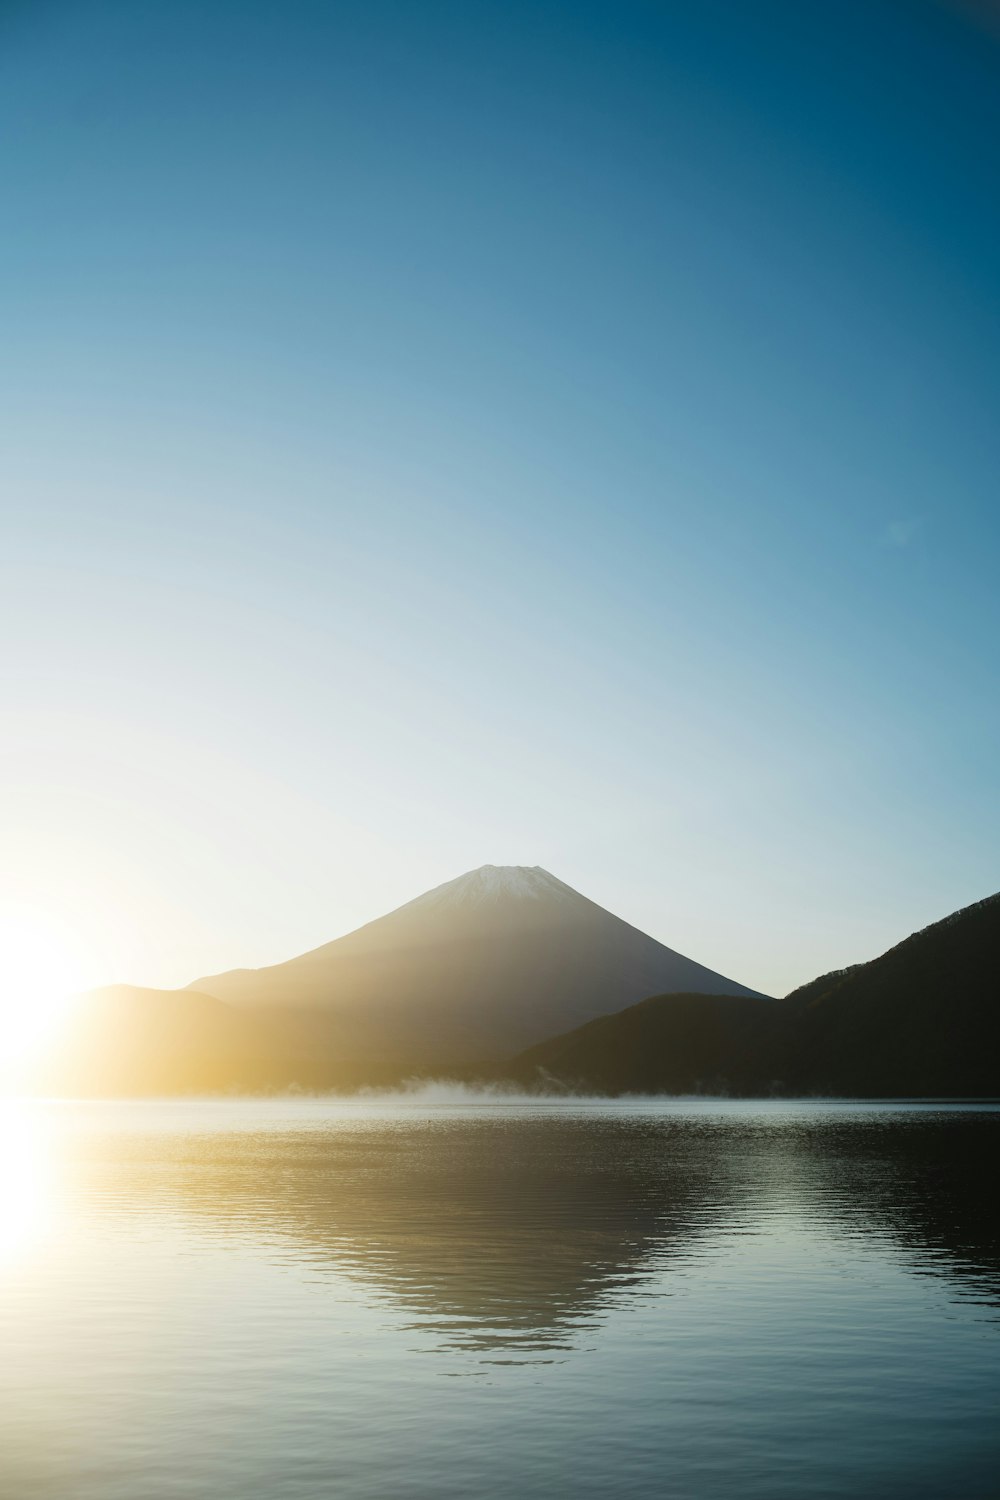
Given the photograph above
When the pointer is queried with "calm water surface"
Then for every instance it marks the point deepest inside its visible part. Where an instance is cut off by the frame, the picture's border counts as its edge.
(286, 1301)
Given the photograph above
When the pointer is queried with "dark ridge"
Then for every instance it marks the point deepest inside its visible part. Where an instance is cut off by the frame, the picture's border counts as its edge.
(822, 983)
(921, 1020)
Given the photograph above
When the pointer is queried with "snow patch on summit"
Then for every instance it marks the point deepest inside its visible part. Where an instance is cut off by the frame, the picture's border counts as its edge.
(492, 883)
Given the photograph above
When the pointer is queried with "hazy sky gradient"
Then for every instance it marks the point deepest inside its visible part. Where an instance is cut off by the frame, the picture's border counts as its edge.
(439, 434)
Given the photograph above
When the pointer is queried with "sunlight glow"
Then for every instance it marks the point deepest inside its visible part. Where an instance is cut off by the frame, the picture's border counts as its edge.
(25, 1178)
(39, 972)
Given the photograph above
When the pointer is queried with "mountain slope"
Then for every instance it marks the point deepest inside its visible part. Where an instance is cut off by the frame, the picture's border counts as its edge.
(469, 972)
(923, 1019)
(673, 1044)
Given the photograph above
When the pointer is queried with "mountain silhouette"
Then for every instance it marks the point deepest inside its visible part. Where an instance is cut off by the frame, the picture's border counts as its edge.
(672, 1044)
(468, 973)
(921, 1020)
(508, 973)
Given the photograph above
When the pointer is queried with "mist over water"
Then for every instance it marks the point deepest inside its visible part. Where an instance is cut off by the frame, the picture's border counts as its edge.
(445, 1291)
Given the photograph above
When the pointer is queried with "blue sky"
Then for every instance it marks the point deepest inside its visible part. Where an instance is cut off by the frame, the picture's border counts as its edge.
(455, 433)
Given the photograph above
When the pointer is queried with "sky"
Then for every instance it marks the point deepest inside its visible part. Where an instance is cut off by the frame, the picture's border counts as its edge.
(463, 433)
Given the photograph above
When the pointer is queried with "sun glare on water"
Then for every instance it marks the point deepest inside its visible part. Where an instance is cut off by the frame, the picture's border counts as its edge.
(26, 1177)
(39, 973)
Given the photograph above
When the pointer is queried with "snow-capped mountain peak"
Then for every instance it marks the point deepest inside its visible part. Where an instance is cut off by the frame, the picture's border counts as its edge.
(492, 883)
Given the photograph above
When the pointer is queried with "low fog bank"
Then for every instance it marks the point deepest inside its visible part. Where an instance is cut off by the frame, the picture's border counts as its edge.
(424, 1094)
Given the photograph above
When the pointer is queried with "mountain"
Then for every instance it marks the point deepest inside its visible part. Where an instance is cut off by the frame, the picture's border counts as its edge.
(667, 1044)
(921, 1020)
(483, 967)
(470, 972)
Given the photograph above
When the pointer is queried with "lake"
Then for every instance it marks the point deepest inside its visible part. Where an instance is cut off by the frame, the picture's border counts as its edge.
(437, 1296)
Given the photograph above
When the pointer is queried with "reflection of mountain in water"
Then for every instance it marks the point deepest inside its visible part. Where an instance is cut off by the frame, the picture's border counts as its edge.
(499, 1231)
(504, 1232)
(926, 1185)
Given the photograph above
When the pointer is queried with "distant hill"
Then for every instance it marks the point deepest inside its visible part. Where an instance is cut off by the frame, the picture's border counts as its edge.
(127, 1040)
(673, 1044)
(923, 1019)
(467, 973)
